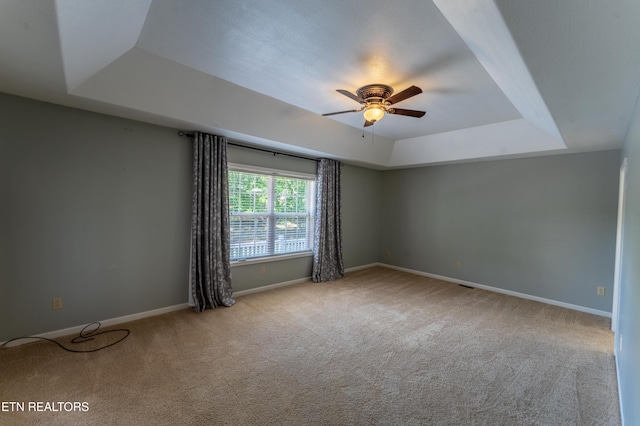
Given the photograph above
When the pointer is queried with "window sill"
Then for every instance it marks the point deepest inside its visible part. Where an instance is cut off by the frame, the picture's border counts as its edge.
(270, 258)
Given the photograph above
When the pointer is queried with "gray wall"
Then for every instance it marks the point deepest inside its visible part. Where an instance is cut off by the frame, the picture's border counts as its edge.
(361, 215)
(93, 211)
(542, 226)
(628, 330)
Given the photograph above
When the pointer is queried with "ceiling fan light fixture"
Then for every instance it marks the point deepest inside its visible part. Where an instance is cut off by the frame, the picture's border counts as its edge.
(374, 113)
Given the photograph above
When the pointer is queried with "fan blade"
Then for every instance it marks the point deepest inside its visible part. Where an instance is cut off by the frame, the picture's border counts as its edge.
(340, 112)
(409, 112)
(405, 94)
(350, 95)
(368, 123)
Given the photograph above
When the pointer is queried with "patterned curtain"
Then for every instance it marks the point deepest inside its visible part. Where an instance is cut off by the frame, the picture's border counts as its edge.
(210, 240)
(327, 250)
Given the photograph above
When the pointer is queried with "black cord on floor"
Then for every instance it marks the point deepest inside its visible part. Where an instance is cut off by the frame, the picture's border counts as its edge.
(84, 336)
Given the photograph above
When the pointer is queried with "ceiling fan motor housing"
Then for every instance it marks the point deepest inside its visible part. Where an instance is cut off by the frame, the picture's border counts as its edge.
(373, 92)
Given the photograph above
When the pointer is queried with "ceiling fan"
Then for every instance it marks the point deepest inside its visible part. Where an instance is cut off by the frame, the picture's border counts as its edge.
(376, 100)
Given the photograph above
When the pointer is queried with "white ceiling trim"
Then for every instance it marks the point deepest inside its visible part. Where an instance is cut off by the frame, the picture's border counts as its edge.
(300, 52)
(90, 41)
(143, 81)
(585, 62)
(482, 27)
(492, 140)
(500, 78)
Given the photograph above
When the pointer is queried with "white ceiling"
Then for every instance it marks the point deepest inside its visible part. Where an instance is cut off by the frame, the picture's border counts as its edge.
(501, 78)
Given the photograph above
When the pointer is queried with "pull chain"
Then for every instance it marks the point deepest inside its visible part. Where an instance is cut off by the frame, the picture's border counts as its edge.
(373, 132)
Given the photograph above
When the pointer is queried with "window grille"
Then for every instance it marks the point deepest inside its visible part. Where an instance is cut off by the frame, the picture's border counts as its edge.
(271, 214)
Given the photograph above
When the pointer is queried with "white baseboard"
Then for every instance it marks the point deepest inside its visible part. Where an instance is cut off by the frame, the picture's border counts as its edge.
(270, 286)
(615, 351)
(104, 323)
(503, 291)
(160, 311)
(114, 321)
(297, 281)
(357, 268)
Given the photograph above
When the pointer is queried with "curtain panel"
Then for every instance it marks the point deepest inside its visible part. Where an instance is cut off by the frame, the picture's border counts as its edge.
(327, 251)
(210, 274)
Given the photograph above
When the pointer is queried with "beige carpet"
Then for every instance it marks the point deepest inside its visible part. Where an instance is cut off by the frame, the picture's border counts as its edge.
(378, 347)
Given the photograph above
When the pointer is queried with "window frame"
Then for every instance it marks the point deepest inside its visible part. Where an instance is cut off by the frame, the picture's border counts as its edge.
(237, 167)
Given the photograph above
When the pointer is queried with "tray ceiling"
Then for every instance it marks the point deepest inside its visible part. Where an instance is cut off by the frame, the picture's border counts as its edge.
(500, 78)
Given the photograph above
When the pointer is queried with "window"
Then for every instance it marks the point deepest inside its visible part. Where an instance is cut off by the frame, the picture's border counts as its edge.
(270, 213)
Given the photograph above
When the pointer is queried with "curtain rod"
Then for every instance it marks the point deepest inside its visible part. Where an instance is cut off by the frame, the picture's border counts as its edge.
(191, 135)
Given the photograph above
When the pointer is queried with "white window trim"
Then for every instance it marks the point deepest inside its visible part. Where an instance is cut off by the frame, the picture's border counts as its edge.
(274, 258)
(255, 169)
(237, 167)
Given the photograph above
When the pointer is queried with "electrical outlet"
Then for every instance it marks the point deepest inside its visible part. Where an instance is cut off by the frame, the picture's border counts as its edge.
(458, 265)
(600, 291)
(263, 270)
(56, 303)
